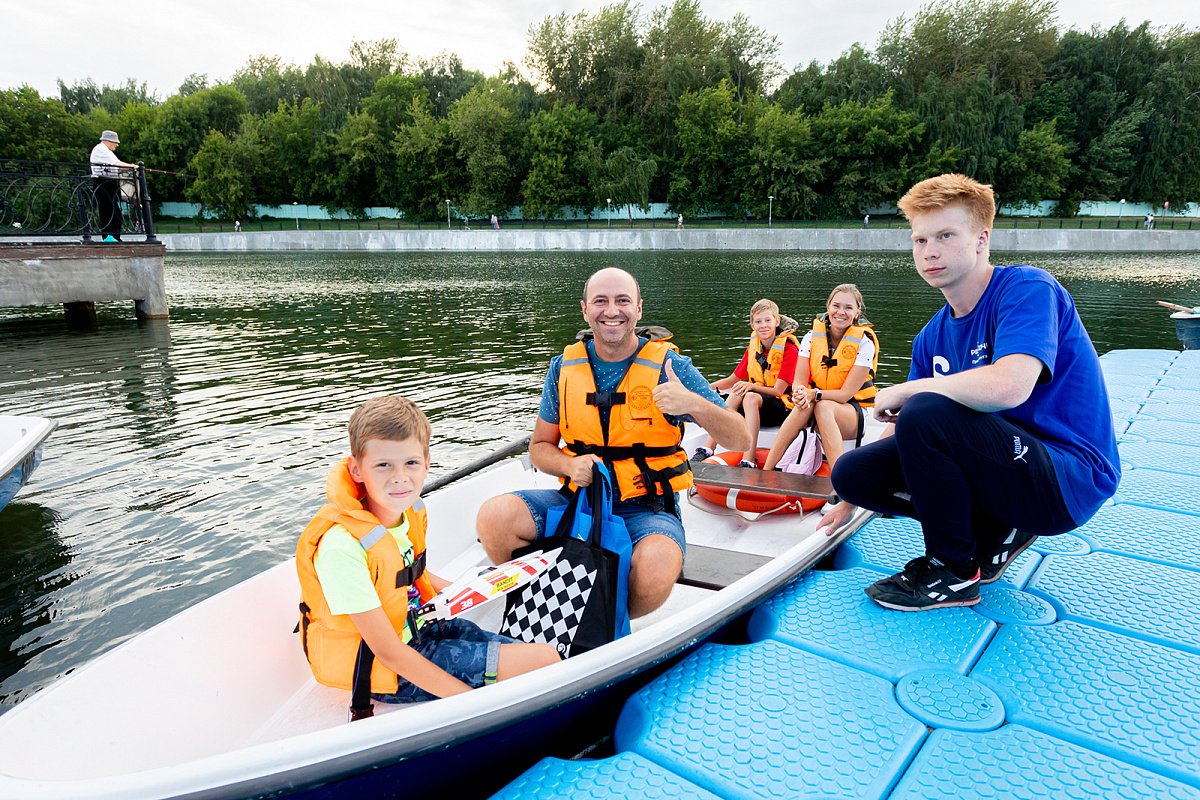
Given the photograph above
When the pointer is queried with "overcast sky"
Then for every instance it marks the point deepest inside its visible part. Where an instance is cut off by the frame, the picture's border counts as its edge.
(164, 41)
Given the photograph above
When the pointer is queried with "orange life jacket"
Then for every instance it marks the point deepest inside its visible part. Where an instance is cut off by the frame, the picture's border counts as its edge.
(773, 359)
(639, 446)
(336, 652)
(828, 371)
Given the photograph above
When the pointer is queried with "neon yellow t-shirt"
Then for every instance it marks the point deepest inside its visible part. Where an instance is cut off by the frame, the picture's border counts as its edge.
(341, 565)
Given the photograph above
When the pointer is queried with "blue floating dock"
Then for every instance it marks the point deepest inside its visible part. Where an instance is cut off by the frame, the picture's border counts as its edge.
(1162, 456)
(1076, 676)
(828, 614)
(778, 722)
(1147, 533)
(1169, 491)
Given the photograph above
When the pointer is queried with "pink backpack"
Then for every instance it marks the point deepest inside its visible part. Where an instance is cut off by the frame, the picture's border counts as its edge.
(804, 456)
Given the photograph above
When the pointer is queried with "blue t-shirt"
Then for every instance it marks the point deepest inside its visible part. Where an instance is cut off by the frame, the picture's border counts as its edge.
(608, 376)
(1025, 310)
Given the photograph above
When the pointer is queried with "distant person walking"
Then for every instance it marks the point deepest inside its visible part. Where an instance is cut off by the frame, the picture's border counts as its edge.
(237, 226)
(1149, 222)
(106, 175)
(495, 223)
(866, 221)
(679, 222)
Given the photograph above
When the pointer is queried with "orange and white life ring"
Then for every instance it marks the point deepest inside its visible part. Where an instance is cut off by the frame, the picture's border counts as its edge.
(756, 502)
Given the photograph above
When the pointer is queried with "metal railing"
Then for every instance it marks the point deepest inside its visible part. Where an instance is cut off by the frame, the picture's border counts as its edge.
(43, 198)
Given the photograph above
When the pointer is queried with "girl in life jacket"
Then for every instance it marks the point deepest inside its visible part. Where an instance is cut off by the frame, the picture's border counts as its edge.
(835, 379)
(759, 388)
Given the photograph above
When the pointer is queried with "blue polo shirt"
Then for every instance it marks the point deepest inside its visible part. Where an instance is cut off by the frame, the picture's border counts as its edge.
(1025, 310)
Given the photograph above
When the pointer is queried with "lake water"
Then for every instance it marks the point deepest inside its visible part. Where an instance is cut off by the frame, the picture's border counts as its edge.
(190, 453)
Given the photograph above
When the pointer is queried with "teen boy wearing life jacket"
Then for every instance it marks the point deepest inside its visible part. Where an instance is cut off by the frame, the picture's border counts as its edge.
(641, 392)
(760, 386)
(361, 563)
(1003, 431)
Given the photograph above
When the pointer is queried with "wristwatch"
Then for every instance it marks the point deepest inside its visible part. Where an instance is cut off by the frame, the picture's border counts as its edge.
(817, 398)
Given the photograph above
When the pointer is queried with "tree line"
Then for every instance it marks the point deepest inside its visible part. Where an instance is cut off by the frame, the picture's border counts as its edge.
(671, 106)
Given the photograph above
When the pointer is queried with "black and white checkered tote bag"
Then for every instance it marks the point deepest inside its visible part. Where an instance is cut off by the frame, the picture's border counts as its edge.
(572, 604)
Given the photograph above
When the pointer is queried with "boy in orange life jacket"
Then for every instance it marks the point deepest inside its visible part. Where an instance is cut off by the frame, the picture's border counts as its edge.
(362, 576)
(760, 386)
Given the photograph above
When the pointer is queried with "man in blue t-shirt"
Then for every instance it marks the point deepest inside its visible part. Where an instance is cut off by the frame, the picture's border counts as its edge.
(1003, 431)
(612, 307)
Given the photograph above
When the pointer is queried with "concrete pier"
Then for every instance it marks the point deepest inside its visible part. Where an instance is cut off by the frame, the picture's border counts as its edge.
(827, 239)
(75, 275)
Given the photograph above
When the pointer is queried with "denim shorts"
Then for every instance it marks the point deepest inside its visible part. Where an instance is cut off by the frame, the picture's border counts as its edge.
(641, 520)
(461, 648)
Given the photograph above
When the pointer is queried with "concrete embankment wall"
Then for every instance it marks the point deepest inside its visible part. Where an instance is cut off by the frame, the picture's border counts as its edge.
(882, 240)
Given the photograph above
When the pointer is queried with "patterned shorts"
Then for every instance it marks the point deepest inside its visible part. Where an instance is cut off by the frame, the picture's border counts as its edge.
(461, 648)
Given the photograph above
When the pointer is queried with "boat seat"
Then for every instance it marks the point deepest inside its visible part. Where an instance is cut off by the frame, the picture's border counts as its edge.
(714, 568)
(784, 484)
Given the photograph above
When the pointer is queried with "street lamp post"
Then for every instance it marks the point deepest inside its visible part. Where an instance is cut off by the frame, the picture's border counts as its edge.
(770, 208)
(447, 215)
(296, 214)
(1120, 211)
(608, 211)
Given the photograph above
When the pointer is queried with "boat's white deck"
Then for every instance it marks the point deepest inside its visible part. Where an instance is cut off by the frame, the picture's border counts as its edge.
(180, 692)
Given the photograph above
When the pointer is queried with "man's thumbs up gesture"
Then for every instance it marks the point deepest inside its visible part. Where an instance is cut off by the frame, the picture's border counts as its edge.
(673, 397)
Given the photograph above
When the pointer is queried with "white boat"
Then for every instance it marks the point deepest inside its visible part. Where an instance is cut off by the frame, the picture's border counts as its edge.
(20, 451)
(218, 701)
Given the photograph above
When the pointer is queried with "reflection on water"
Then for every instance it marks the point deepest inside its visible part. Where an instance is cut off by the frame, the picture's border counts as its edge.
(189, 453)
(34, 567)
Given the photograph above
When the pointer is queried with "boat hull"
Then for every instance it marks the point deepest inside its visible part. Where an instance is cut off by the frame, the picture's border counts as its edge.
(20, 452)
(155, 718)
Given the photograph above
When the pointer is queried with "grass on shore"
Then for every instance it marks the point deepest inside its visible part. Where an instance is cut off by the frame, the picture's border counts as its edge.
(190, 225)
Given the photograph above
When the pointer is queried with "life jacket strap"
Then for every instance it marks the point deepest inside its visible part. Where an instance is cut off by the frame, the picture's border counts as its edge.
(614, 453)
(360, 694)
(408, 576)
(605, 399)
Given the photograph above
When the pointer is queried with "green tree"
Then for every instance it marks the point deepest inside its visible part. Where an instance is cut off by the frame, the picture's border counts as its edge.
(428, 172)
(266, 80)
(854, 75)
(624, 177)
(225, 167)
(182, 125)
(711, 144)
(1035, 170)
(1007, 41)
(557, 145)
(355, 160)
(82, 96)
(872, 151)
(288, 142)
(41, 130)
(390, 102)
(781, 163)
(488, 132)
(447, 81)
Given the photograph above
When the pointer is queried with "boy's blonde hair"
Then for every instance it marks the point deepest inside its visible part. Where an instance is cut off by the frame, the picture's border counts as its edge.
(761, 306)
(934, 194)
(849, 288)
(389, 418)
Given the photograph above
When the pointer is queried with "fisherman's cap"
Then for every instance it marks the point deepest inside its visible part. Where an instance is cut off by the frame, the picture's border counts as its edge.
(110, 136)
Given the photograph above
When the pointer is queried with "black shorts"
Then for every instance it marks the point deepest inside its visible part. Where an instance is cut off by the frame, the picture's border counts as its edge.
(771, 413)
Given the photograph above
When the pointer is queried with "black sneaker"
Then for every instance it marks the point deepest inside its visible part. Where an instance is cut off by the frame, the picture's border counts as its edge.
(701, 454)
(993, 564)
(925, 583)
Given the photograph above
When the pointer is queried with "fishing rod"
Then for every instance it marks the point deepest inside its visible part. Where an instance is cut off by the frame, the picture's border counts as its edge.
(168, 172)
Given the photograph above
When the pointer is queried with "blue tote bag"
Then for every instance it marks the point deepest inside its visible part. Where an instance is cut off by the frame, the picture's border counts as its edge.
(582, 600)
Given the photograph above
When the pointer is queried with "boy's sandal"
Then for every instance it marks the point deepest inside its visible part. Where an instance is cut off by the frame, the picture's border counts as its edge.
(747, 464)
